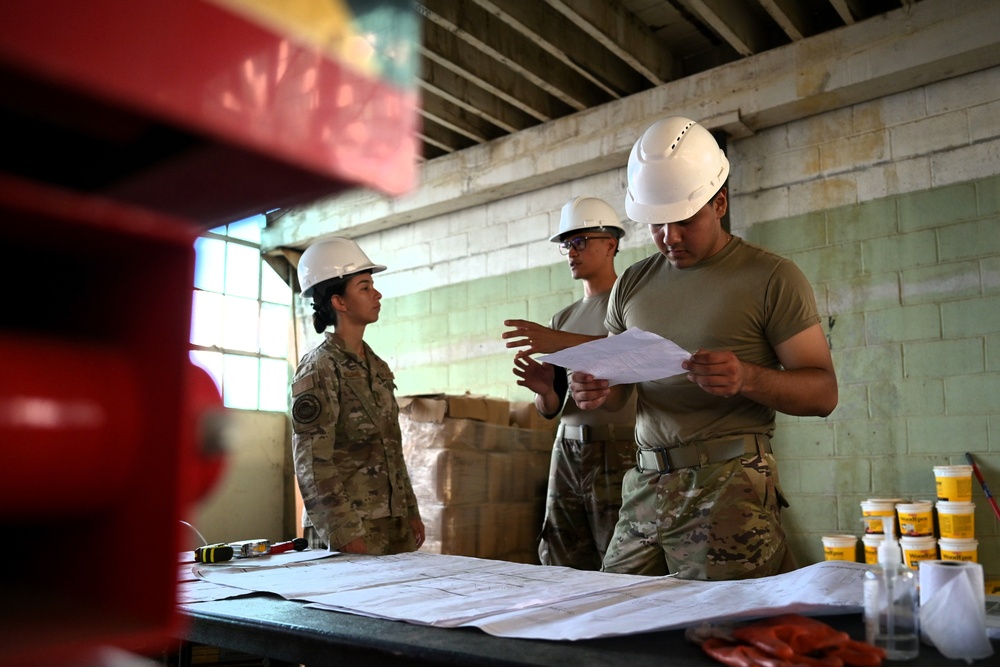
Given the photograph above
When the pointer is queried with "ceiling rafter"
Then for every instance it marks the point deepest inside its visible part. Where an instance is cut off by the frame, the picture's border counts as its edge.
(491, 68)
(493, 77)
(458, 90)
(789, 16)
(619, 31)
(514, 50)
(548, 35)
(734, 22)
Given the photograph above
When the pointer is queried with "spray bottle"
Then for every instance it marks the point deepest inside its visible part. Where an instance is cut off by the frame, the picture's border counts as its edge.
(891, 601)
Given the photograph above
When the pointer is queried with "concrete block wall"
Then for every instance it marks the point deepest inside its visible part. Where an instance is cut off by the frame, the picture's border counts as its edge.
(891, 208)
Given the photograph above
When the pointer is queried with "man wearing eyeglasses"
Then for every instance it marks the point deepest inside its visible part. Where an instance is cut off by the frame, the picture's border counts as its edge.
(592, 450)
(702, 500)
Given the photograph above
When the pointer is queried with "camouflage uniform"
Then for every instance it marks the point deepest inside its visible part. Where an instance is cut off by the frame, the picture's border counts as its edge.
(583, 499)
(711, 520)
(714, 522)
(348, 450)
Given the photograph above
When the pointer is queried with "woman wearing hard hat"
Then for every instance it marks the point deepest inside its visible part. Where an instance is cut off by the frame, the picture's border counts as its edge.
(346, 443)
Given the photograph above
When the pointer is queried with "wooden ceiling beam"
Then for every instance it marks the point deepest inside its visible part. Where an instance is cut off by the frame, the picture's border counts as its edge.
(498, 41)
(788, 16)
(450, 52)
(442, 111)
(622, 34)
(553, 34)
(472, 97)
(733, 22)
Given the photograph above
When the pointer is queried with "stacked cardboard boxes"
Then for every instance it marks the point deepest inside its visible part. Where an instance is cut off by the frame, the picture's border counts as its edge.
(479, 467)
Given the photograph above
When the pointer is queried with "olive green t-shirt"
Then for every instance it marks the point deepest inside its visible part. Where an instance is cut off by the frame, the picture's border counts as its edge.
(586, 316)
(744, 299)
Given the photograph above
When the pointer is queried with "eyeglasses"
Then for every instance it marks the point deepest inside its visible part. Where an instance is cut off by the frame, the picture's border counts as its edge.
(578, 243)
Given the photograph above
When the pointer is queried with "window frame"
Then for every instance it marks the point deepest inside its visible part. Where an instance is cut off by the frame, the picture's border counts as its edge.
(196, 349)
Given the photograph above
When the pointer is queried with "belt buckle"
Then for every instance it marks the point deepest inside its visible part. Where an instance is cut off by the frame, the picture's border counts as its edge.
(584, 433)
(662, 462)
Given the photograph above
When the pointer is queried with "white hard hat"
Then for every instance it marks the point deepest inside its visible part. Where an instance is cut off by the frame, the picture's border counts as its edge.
(674, 169)
(588, 213)
(332, 258)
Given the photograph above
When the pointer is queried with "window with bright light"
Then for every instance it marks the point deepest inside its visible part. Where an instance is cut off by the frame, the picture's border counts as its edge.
(240, 318)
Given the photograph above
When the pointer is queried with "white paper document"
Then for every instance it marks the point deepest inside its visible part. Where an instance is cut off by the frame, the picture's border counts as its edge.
(192, 588)
(537, 602)
(631, 356)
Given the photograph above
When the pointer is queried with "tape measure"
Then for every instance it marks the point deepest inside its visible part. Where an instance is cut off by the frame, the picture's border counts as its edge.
(213, 553)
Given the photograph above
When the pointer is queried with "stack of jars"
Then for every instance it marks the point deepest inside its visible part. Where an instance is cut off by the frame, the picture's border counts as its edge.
(956, 513)
(927, 530)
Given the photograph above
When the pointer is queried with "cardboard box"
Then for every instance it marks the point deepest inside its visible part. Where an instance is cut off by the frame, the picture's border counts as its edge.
(427, 409)
(435, 407)
(480, 408)
(509, 528)
(450, 476)
(524, 414)
(450, 530)
(517, 478)
(534, 440)
(453, 434)
(480, 482)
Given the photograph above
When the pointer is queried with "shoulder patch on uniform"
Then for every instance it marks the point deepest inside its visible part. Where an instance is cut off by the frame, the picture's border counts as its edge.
(306, 409)
(303, 384)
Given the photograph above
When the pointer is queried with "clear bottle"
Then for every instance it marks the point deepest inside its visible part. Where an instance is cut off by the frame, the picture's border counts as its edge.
(892, 619)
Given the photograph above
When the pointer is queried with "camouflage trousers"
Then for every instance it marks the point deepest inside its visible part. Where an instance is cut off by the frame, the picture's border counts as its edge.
(582, 502)
(714, 522)
(389, 535)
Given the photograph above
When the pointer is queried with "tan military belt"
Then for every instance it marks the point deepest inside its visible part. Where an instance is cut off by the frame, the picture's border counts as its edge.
(665, 459)
(595, 433)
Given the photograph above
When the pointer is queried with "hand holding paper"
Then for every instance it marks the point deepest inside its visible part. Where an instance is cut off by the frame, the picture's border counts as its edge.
(631, 356)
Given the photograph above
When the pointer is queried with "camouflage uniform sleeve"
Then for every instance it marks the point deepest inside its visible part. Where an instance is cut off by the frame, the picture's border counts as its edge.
(315, 411)
(393, 439)
(413, 509)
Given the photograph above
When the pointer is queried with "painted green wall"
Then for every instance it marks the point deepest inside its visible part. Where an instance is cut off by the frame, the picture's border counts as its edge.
(448, 339)
(909, 288)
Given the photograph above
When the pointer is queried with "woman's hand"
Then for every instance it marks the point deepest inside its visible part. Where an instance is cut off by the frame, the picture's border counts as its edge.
(417, 526)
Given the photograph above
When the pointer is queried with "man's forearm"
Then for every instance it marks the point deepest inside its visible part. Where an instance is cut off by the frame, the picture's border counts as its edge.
(803, 392)
(547, 404)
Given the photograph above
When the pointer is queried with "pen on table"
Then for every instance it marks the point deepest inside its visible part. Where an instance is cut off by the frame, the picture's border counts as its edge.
(982, 483)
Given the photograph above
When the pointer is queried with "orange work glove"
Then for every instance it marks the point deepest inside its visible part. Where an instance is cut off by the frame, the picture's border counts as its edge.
(809, 636)
(740, 655)
(859, 654)
(790, 635)
(791, 640)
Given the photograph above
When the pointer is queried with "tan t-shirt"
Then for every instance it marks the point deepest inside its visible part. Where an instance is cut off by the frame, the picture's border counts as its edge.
(586, 316)
(745, 299)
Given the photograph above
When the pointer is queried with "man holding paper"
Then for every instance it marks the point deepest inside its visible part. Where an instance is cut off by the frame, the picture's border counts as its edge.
(703, 501)
(591, 450)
